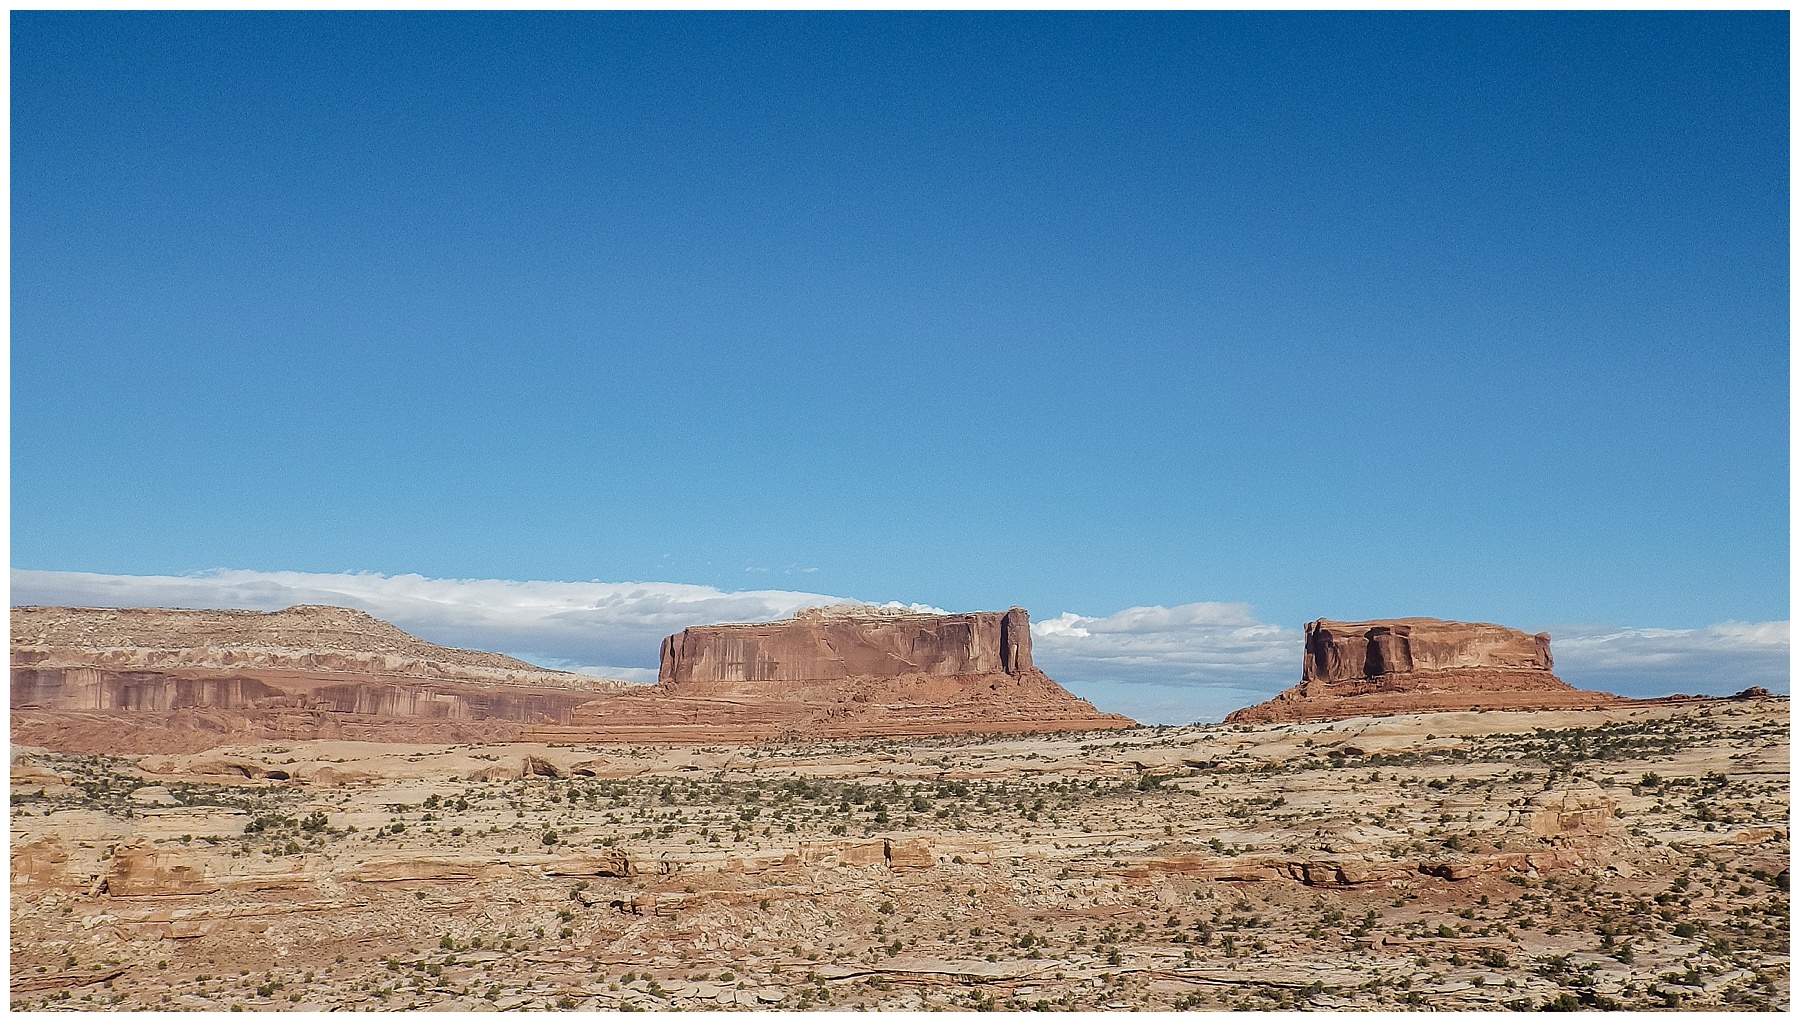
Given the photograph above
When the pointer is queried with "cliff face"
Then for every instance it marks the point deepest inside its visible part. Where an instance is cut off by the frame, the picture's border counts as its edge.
(1338, 651)
(1420, 665)
(843, 673)
(146, 679)
(310, 639)
(155, 680)
(825, 647)
(92, 690)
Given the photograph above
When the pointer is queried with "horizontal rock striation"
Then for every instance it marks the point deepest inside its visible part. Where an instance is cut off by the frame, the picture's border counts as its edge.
(1420, 665)
(838, 644)
(310, 639)
(153, 680)
(143, 679)
(1339, 651)
(842, 672)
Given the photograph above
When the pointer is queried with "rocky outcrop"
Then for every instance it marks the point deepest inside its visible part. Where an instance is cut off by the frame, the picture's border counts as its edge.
(85, 709)
(1420, 665)
(1570, 811)
(139, 870)
(842, 672)
(144, 679)
(305, 639)
(176, 681)
(836, 644)
(1338, 651)
(881, 851)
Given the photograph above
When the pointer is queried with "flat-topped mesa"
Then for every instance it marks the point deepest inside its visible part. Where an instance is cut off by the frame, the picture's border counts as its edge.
(1340, 651)
(842, 672)
(142, 679)
(834, 644)
(153, 679)
(308, 638)
(1420, 665)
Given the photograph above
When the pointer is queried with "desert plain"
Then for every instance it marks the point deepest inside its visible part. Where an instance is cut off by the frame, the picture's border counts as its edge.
(1631, 857)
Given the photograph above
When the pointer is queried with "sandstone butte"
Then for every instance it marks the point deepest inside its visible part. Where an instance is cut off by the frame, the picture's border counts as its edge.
(159, 680)
(1423, 665)
(843, 672)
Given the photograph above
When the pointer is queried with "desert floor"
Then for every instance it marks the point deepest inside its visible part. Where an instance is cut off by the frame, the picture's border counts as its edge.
(1633, 858)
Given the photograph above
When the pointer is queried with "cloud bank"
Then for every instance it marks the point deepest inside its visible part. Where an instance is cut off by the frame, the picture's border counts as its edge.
(1715, 660)
(1169, 665)
(613, 629)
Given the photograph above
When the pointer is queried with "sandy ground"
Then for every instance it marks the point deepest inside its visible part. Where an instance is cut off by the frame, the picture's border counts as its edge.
(1633, 858)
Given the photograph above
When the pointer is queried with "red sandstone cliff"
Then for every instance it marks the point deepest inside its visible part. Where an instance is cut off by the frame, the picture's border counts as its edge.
(843, 672)
(155, 680)
(311, 639)
(1420, 665)
(834, 645)
(145, 679)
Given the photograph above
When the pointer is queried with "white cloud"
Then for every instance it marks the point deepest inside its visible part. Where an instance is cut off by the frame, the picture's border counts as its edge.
(1196, 661)
(1199, 642)
(1225, 658)
(1715, 660)
(596, 627)
(1169, 665)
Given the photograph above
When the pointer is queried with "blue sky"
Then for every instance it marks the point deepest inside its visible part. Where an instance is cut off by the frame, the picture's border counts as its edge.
(1345, 315)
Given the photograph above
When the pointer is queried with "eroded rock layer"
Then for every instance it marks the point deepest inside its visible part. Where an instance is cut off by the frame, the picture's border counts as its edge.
(153, 680)
(1420, 665)
(835, 644)
(142, 679)
(1090, 872)
(847, 672)
(308, 639)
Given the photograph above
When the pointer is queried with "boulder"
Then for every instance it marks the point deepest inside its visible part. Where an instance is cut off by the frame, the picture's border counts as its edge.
(1541, 861)
(904, 854)
(1577, 809)
(43, 861)
(843, 853)
(141, 871)
(157, 681)
(1346, 871)
(913, 854)
(610, 862)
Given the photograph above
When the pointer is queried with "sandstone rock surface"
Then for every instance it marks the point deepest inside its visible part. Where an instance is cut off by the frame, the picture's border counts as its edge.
(835, 644)
(151, 680)
(146, 679)
(1420, 665)
(897, 875)
(306, 639)
(842, 672)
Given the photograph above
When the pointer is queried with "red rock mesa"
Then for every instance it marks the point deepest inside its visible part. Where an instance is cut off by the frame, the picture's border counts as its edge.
(145, 679)
(847, 671)
(1420, 665)
(157, 680)
(835, 644)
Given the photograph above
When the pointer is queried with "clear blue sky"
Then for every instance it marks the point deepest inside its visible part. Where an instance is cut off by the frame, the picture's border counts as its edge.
(1348, 315)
